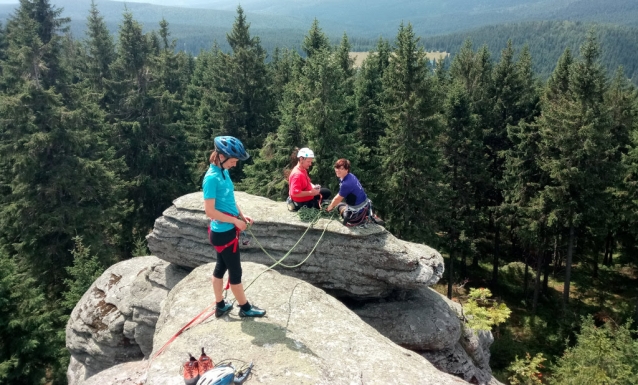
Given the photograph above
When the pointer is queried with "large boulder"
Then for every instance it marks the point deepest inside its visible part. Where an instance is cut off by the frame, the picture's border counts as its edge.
(417, 320)
(308, 337)
(427, 322)
(114, 322)
(356, 262)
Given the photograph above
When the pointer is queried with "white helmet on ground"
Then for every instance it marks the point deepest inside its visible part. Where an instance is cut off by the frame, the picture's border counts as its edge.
(221, 375)
(305, 153)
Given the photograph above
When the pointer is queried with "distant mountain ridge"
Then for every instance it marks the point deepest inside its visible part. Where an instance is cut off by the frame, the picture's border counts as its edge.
(547, 26)
(358, 18)
(370, 18)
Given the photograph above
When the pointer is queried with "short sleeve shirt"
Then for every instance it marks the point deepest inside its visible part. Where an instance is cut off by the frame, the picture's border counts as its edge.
(217, 185)
(350, 189)
(299, 181)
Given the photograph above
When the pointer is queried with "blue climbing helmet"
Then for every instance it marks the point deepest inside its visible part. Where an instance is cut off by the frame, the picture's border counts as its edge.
(231, 147)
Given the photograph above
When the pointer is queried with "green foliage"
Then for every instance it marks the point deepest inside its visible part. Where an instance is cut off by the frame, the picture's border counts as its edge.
(602, 355)
(324, 114)
(28, 322)
(149, 135)
(101, 50)
(61, 176)
(368, 95)
(140, 248)
(481, 312)
(410, 158)
(85, 270)
(527, 371)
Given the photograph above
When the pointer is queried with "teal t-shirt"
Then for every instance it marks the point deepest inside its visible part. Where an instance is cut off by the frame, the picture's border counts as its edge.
(218, 186)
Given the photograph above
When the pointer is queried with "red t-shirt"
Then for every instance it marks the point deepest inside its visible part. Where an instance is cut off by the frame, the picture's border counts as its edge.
(299, 181)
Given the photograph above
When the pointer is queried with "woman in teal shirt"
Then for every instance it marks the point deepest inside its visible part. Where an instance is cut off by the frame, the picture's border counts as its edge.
(227, 221)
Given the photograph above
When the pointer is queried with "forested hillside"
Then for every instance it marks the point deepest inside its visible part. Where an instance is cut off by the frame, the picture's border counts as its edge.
(547, 40)
(371, 18)
(527, 186)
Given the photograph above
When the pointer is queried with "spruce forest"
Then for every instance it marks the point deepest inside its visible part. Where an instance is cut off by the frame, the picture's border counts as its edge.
(528, 185)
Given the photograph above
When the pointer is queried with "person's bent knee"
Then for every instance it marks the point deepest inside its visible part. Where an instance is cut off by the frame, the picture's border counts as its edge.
(219, 272)
(234, 276)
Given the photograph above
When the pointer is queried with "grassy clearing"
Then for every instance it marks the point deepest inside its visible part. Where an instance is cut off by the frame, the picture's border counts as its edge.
(359, 57)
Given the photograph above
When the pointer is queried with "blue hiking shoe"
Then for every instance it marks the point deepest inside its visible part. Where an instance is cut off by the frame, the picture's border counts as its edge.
(253, 312)
(222, 311)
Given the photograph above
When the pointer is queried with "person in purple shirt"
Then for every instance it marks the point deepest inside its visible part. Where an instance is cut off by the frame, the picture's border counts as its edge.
(351, 202)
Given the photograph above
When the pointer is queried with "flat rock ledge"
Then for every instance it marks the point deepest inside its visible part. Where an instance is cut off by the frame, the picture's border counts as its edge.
(355, 262)
(307, 338)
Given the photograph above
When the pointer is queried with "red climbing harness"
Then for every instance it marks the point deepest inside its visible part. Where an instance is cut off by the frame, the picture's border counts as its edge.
(233, 243)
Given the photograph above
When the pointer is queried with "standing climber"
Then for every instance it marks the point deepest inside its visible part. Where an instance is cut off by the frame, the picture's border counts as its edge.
(357, 208)
(227, 221)
(301, 191)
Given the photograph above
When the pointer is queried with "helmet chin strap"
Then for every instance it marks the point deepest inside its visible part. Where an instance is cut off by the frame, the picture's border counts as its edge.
(221, 162)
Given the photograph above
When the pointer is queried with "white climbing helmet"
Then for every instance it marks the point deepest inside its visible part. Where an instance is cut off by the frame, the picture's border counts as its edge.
(305, 153)
(221, 375)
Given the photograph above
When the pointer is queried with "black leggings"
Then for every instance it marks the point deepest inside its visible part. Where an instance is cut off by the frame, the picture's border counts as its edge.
(227, 259)
(324, 195)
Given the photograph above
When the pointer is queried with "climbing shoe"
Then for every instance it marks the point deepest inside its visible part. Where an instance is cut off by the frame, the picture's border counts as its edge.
(191, 371)
(222, 311)
(377, 220)
(254, 311)
(205, 363)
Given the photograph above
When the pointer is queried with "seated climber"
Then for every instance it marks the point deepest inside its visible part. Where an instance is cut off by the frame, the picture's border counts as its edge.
(357, 208)
(227, 221)
(301, 191)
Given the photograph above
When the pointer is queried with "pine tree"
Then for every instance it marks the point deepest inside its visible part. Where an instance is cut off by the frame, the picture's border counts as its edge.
(369, 116)
(558, 82)
(281, 68)
(315, 40)
(149, 139)
(410, 158)
(474, 71)
(246, 103)
(513, 100)
(85, 270)
(629, 198)
(343, 53)
(101, 50)
(43, 33)
(464, 167)
(200, 103)
(325, 113)
(622, 101)
(268, 175)
(574, 148)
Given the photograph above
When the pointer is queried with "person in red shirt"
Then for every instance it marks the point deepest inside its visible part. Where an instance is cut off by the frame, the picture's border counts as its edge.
(301, 191)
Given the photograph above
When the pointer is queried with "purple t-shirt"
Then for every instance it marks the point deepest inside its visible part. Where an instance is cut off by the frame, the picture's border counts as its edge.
(352, 192)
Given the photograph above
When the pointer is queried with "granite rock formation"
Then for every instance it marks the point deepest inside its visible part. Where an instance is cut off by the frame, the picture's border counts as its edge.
(354, 262)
